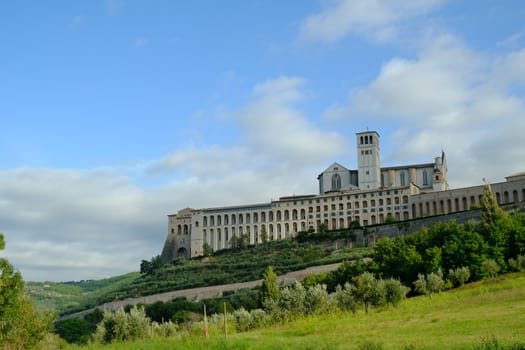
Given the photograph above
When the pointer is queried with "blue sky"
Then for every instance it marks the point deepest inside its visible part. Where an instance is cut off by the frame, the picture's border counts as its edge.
(116, 113)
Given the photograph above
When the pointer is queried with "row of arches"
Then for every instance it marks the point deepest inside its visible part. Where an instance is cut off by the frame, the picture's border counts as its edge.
(297, 214)
(221, 238)
(249, 218)
(451, 205)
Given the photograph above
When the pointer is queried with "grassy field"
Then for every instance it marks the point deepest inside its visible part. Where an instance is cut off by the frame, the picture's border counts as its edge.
(477, 314)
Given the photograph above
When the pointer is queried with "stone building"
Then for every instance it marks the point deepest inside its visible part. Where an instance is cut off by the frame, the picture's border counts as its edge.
(367, 195)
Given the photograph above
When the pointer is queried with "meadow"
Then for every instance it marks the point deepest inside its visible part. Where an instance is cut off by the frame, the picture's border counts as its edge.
(488, 314)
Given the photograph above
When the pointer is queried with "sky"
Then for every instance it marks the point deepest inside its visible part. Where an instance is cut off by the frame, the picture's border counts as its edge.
(116, 113)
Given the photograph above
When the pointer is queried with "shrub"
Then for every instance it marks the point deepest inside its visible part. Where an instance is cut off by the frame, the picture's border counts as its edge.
(490, 268)
(517, 264)
(318, 301)
(243, 320)
(429, 284)
(292, 301)
(121, 326)
(345, 297)
(459, 276)
(395, 291)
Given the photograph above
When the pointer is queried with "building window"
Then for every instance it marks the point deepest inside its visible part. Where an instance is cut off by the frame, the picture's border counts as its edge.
(425, 178)
(336, 182)
(402, 179)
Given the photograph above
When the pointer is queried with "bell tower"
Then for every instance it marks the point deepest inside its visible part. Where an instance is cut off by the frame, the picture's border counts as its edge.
(369, 166)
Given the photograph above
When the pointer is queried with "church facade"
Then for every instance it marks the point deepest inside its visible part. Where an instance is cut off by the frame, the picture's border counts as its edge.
(367, 195)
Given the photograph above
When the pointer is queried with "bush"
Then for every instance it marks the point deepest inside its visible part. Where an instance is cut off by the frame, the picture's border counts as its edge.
(517, 264)
(243, 320)
(345, 297)
(121, 326)
(429, 284)
(459, 276)
(395, 291)
(318, 301)
(490, 268)
(292, 302)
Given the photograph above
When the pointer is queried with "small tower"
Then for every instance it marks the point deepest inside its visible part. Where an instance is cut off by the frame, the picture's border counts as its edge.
(369, 166)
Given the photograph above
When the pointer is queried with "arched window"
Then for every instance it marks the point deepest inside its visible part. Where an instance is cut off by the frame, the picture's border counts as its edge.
(336, 182)
(425, 178)
(402, 179)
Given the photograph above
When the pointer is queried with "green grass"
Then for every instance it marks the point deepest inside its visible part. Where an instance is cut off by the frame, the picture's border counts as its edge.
(481, 313)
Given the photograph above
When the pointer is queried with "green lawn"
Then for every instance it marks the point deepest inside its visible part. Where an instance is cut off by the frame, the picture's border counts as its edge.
(481, 312)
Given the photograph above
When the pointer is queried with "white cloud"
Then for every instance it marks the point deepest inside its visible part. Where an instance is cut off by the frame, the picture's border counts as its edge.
(377, 19)
(64, 224)
(451, 98)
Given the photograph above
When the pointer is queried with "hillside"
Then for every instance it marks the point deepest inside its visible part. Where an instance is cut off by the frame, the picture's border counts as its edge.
(488, 314)
(222, 268)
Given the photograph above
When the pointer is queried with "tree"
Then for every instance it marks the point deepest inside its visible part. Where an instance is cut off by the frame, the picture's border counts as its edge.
(345, 297)
(490, 210)
(121, 326)
(264, 234)
(270, 286)
(397, 259)
(459, 276)
(429, 284)
(490, 268)
(207, 250)
(21, 326)
(364, 289)
(395, 291)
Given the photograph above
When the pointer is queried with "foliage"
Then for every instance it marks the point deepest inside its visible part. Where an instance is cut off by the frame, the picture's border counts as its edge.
(405, 327)
(21, 326)
(79, 330)
(207, 250)
(490, 268)
(121, 326)
(397, 258)
(148, 267)
(318, 301)
(491, 212)
(270, 286)
(365, 289)
(517, 264)
(395, 291)
(291, 304)
(429, 284)
(459, 276)
(390, 219)
(264, 234)
(345, 297)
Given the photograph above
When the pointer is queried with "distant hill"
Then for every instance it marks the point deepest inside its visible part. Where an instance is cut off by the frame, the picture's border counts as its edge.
(228, 266)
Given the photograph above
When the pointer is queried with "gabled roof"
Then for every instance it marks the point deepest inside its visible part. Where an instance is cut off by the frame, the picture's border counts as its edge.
(335, 164)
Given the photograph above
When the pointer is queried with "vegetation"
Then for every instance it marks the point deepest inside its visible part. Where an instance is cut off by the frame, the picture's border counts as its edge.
(456, 319)
(229, 266)
(21, 326)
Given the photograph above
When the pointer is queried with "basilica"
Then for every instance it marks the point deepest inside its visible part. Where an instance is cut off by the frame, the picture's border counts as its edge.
(366, 195)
